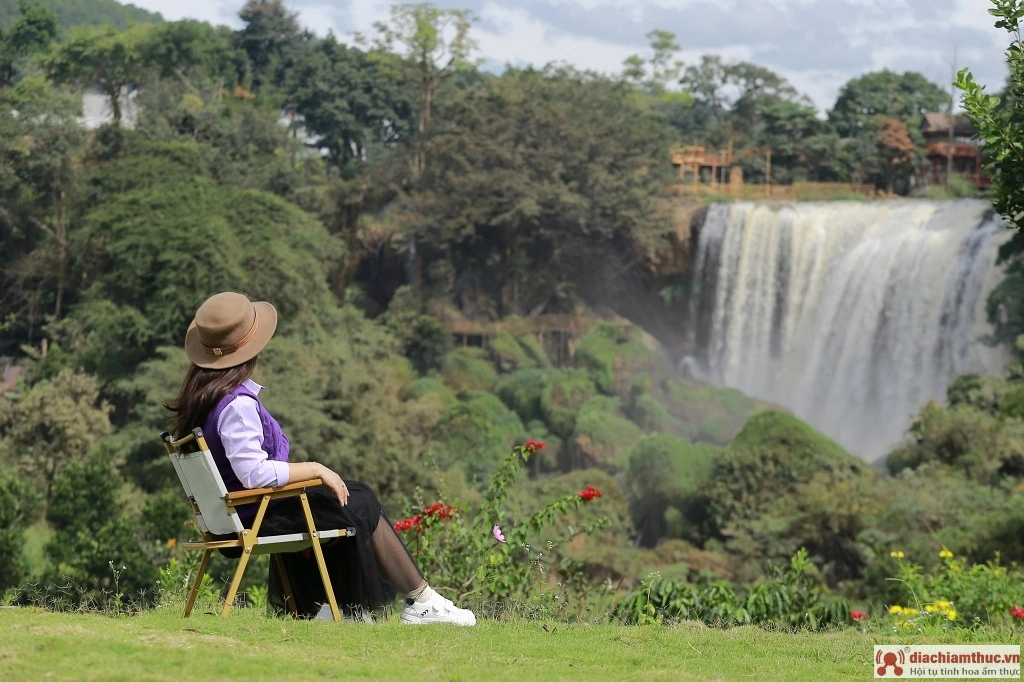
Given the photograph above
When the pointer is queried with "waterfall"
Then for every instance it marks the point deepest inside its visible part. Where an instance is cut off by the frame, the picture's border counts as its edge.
(849, 314)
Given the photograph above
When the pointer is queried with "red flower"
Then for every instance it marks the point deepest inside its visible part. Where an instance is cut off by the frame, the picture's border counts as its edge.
(590, 493)
(533, 446)
(858, 615)
(1017, 612)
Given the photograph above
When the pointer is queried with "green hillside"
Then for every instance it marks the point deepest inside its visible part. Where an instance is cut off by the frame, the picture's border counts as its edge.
(83, 13)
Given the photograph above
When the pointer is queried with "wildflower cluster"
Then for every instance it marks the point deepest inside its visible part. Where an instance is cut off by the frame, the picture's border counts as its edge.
(954, 593)
(532, 446)
(488, 553)
(438, 510)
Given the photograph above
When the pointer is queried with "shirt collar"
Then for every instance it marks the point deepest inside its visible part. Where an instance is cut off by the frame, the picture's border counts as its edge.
(252, 386)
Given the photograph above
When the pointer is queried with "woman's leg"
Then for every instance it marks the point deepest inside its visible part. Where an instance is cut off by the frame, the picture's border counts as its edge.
(394, 560)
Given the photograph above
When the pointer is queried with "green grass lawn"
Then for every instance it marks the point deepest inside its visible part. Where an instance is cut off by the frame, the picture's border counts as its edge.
(160, 645)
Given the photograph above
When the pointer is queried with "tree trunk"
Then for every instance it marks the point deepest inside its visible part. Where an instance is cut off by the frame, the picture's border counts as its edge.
(114, 95)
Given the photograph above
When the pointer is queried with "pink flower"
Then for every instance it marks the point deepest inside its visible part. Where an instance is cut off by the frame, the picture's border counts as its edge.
(858, 615)
(496, 532)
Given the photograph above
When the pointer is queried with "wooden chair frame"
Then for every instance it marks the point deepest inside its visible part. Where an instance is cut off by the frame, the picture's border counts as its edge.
(215, 510)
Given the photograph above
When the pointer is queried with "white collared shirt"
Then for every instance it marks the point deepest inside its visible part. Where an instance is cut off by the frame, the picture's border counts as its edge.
(241, 432)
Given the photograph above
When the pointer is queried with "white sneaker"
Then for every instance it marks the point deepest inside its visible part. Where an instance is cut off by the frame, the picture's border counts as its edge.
(360, 615)
(437, 610)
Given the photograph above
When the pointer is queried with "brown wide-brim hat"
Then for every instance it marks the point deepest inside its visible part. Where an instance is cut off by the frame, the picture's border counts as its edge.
(229, 330)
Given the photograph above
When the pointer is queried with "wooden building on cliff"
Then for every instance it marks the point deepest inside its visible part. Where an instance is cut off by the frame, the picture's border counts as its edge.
(962, 146)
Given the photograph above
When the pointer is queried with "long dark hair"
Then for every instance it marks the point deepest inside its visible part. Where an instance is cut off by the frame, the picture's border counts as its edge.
(200, 392)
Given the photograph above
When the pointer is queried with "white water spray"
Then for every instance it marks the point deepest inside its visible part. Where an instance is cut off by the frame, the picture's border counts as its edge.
(850, 314)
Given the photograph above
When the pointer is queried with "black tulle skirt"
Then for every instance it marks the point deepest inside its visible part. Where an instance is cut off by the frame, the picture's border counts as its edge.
(356, 578)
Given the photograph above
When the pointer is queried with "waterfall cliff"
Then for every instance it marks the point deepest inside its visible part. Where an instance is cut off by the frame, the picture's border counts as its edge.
(850, 314)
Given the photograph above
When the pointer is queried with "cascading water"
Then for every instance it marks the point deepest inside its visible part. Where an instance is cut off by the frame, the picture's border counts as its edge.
(850, 314)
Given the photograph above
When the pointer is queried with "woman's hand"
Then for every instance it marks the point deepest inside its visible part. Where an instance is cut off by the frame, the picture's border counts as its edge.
(333, 482)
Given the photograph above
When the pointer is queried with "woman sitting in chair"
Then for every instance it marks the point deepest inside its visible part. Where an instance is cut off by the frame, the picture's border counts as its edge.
(250, 450)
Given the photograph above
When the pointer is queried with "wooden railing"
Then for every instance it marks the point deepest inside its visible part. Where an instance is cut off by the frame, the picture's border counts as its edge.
(808, 190)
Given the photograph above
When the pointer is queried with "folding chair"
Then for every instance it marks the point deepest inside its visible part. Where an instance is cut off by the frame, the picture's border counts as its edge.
(214, 508)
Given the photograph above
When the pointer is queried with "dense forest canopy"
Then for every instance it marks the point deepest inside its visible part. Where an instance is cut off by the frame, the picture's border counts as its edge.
(376, 190)
(70, 13)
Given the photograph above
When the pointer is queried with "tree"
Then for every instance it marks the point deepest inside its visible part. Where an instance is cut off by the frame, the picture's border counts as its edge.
(16, 512)
(542, 175)
(33, 31)
(74, 13)
(349, 100)
(192, 51)
(40, 140)
(270, 37)
(1001, 127)
(884, 94)
(101, 57)
(656, 74)
(96, 543)
(436, 45)
(897, 155)
(54, 423)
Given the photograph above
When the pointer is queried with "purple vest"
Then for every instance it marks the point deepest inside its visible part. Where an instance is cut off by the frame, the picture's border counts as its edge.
(275, 443)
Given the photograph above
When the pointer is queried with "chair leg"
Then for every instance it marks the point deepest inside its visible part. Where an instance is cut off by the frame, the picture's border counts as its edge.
(319, 552)
(235, 582)
(290, 604)
(194, 592)
(246, 553)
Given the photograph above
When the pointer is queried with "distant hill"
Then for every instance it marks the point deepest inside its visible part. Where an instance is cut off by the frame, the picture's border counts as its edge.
(71, 13)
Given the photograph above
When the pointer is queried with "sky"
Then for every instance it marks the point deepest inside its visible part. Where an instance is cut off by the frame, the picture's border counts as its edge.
(818, 45)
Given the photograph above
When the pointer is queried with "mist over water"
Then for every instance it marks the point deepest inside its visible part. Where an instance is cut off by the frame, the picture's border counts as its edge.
(850, 314)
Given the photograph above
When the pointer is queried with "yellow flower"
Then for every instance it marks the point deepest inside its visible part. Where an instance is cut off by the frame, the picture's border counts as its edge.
(931, 608)
(895, 609)
(908, 624)
(172, 543)
(896, 555)
(911, 612)
(951, 614)
(945, 554)
(942, 604)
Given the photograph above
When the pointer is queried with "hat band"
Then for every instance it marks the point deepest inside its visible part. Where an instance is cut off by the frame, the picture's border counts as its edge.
(227, 350)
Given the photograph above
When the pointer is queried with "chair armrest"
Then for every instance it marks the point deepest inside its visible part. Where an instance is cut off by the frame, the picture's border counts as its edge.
(293, 488)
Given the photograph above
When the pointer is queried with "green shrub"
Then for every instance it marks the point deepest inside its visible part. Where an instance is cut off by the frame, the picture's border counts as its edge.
(522, 392)
(602, 436)
(562, 397)
(468, 369)
(982, 445)
(17, 505)
(612, 354)
(534, 350)
(790, 597)
(508, 354)
(428, 386)
(954, 593)
(780, 486)
(95, 543)
(665, 471)
(654, 417)
(474, 435)
(504, 553)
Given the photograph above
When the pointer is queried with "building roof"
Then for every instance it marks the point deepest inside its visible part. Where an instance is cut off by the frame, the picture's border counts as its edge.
(935, 123)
